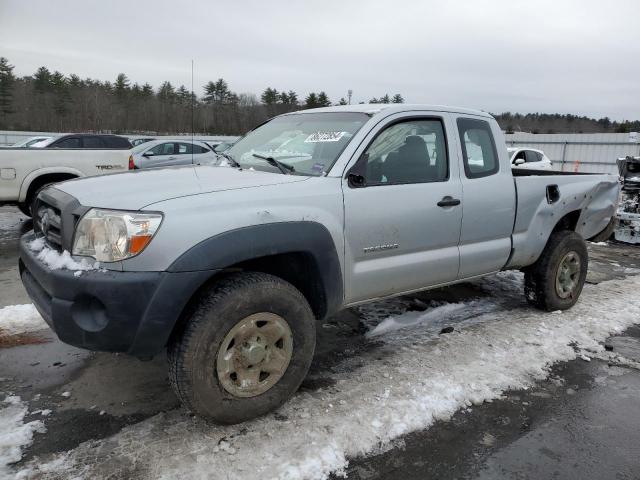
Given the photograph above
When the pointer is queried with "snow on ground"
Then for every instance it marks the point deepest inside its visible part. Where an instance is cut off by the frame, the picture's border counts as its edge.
(16, 319)
(409, 378)
(14, 434)
(57, 261)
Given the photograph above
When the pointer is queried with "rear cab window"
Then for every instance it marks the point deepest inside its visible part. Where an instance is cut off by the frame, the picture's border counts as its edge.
(93, 142)
(478, 148)
(72, 142)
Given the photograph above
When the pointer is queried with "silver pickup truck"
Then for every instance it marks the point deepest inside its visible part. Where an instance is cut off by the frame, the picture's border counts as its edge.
(228, 267)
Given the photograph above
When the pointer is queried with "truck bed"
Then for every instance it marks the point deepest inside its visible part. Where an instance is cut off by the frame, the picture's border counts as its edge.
(545, 197)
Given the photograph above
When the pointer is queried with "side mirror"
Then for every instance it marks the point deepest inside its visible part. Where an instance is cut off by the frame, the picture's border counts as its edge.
(357, 175)
(518, 161)
(148, 154)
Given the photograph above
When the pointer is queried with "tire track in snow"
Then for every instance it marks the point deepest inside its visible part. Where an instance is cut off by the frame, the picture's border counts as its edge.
(418, 378)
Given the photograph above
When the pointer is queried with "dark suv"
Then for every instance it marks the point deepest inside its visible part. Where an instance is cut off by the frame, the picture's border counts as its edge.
(88, 140)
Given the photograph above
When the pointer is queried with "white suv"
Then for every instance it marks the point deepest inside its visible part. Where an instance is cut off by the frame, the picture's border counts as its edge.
(529, 158)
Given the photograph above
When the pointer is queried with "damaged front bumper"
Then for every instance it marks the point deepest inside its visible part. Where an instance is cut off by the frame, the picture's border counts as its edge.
(106, 310)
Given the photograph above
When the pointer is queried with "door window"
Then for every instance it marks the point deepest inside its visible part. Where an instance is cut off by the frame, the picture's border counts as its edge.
(185, 148)
(478, 148)
(412, 151)
(163, 149)
(532, 156)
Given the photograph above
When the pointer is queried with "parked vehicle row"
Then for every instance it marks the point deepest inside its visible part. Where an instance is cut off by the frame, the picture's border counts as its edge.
(228, 269)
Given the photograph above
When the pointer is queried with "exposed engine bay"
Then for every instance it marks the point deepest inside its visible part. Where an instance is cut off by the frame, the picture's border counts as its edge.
(628, 215)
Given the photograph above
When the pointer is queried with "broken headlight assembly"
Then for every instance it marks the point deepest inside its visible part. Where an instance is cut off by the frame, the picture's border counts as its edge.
(113, 235)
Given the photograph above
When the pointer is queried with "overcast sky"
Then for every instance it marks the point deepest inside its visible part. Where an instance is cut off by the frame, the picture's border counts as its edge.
(580, 57)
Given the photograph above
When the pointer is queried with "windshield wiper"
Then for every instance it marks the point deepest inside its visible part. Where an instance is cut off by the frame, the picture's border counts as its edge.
(230, 158)
(285, 168)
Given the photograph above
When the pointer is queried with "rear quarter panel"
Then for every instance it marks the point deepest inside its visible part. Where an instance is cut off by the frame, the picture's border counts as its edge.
(595, 196)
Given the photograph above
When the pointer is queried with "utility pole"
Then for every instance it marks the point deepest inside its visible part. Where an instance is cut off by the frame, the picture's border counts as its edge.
(349, 93)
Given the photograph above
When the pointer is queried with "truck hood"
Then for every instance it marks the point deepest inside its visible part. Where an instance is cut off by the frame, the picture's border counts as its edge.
(137, 189)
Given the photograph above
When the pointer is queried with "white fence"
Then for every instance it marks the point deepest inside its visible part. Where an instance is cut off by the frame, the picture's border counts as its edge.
(581, 152)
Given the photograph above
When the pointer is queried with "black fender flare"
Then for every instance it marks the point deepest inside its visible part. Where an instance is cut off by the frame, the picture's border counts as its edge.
(248, 243)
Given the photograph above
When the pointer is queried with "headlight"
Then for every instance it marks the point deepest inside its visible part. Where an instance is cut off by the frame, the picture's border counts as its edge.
(112, 235)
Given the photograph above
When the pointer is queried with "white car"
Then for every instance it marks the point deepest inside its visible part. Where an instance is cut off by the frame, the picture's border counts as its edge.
(31, 142)
(529, 158)
(168, 153)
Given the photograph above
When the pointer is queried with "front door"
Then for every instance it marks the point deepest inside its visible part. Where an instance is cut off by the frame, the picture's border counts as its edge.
(402, 226)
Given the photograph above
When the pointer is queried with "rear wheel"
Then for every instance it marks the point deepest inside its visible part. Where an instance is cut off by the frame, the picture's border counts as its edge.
(555, 281)
(244, 349)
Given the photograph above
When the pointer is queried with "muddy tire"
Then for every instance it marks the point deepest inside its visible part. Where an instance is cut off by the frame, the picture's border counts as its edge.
(244, 348)
(555, 281)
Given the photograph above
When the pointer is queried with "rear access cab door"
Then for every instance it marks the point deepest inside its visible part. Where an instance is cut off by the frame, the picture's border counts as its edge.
(403, 209)
(489, 200)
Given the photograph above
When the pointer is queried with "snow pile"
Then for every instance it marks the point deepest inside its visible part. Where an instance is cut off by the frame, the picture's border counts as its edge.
(14, 434)
(405, 381)
(57, 261)
(434, 318)
(16, 319)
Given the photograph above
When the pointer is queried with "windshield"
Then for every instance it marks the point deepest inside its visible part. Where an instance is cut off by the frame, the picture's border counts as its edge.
(309, 142)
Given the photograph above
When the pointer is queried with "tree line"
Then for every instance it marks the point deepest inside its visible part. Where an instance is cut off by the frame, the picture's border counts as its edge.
(53, 101)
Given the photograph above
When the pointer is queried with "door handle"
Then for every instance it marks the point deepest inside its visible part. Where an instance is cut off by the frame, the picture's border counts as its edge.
(448, 202)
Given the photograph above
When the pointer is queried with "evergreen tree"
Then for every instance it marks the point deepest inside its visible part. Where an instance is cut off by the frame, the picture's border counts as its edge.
(270, 96)
(7, 80)
(42, 80)
(397, 98)
(60, 89)
(218, 93)
(121, 86)
(284, 98)
(147, 90)
(342, 101)
(385, 99)
(167, 93)
(293, 97)
(323, 100)
(311, 101)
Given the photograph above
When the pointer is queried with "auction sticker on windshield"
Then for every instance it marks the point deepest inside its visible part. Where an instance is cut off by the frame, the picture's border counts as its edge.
(324, 137)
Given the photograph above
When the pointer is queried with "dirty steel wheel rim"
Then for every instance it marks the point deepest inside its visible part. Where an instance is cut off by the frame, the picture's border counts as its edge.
(254, 355)
(568, 275)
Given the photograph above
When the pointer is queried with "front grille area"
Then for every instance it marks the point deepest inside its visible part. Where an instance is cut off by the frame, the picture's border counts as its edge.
(55, 217)
(48, 222)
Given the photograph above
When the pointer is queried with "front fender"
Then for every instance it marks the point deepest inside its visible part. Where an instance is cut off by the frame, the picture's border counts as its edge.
(248, 243)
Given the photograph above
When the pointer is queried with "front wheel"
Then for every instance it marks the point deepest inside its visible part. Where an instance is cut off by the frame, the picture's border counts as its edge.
(244, 349)
(555, 280)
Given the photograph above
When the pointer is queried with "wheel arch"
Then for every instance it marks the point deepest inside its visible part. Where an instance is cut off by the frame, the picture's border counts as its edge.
(39, 177)
(302, 253)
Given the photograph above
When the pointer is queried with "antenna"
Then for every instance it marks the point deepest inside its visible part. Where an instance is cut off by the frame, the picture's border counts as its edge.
(192, 114)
